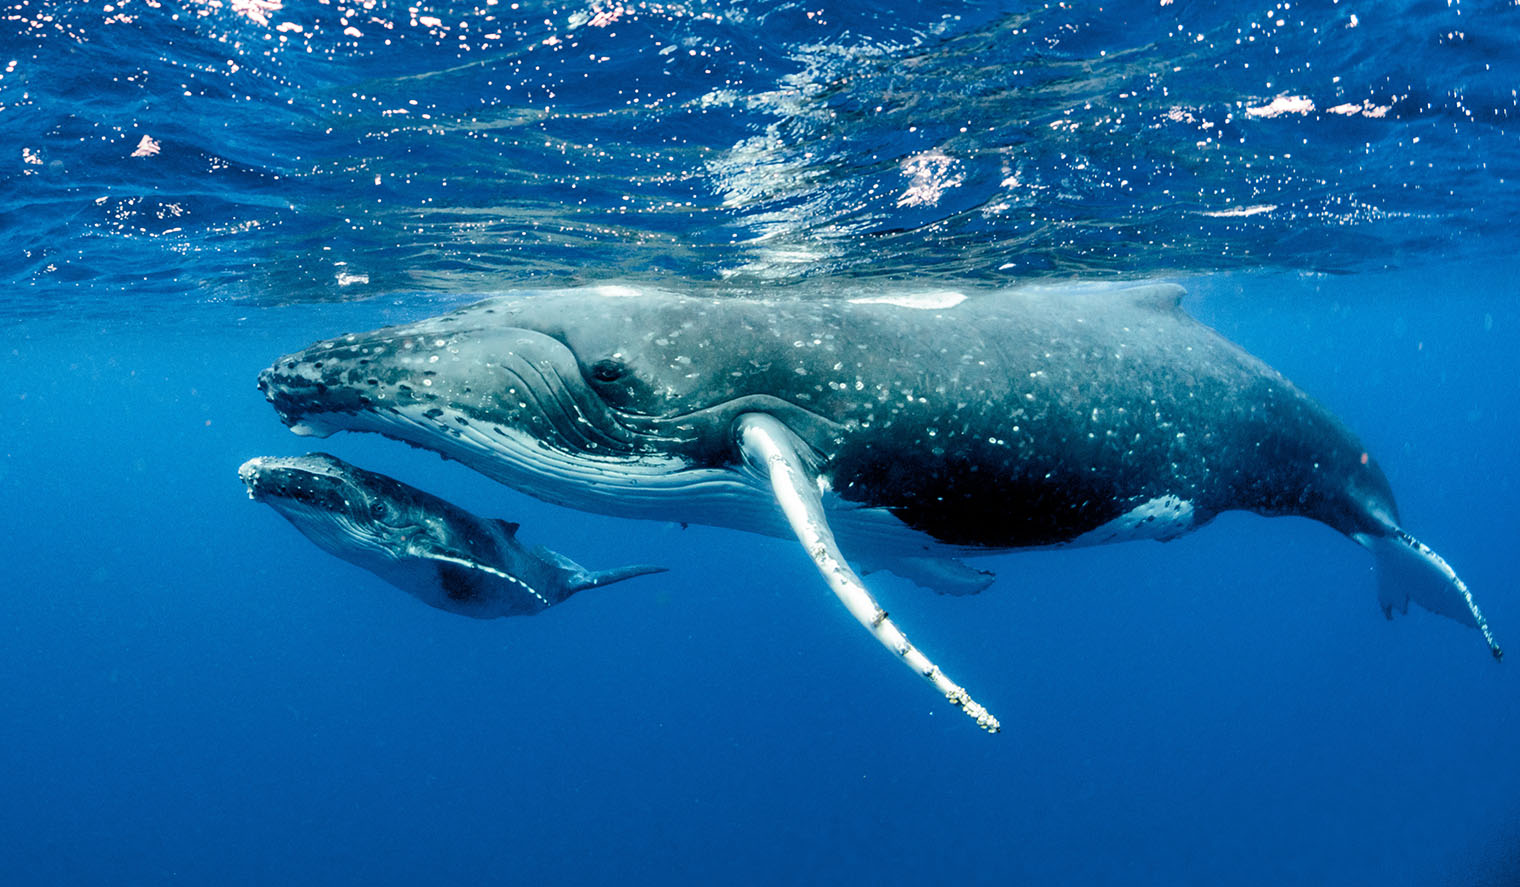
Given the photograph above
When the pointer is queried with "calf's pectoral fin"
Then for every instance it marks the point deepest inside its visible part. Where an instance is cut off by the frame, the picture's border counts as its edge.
(773, 450)
(598, 578)
(1407, 569)
(578, 578)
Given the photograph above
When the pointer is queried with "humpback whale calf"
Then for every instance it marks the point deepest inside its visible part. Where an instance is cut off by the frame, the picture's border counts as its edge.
(433, 550)
(895, 430)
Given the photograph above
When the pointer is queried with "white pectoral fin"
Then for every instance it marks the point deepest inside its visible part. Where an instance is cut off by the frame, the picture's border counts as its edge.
(1407, 569)
(772, 449)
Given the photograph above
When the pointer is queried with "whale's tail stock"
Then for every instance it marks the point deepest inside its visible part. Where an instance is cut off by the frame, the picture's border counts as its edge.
(1409, 570)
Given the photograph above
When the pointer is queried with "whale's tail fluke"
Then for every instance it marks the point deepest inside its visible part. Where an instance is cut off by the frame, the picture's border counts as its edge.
(1408, 570)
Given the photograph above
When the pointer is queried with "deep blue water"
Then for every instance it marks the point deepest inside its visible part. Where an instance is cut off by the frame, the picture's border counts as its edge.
(196, 694)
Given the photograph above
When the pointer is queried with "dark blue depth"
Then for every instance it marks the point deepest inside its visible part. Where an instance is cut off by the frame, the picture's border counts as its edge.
(196, 694)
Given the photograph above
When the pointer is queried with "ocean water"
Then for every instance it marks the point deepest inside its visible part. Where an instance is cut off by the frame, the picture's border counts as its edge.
(193, 693)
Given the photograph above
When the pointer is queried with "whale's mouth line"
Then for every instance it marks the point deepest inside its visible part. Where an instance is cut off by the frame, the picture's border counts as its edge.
(267, 479)
(330, 517)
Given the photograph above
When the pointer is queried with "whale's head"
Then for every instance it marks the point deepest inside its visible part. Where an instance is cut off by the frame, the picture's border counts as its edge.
(599, 398)
(342, 508)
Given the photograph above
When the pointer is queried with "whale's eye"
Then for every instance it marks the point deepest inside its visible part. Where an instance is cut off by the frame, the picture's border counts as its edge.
(608, 370)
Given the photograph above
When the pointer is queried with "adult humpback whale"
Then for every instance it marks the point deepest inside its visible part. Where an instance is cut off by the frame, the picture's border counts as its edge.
(435, 551)
(907, 429)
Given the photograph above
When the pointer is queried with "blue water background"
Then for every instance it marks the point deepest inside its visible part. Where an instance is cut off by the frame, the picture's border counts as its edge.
(196, 694)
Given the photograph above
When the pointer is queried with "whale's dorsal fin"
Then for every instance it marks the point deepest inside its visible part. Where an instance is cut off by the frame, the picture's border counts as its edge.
(506, 526)
(1159, 296)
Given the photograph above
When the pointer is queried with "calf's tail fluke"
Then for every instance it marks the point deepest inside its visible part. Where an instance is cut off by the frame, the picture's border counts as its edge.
(1408, 570)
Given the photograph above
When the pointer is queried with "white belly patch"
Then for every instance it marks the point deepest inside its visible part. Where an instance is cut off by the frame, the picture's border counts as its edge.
(1162, 518)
